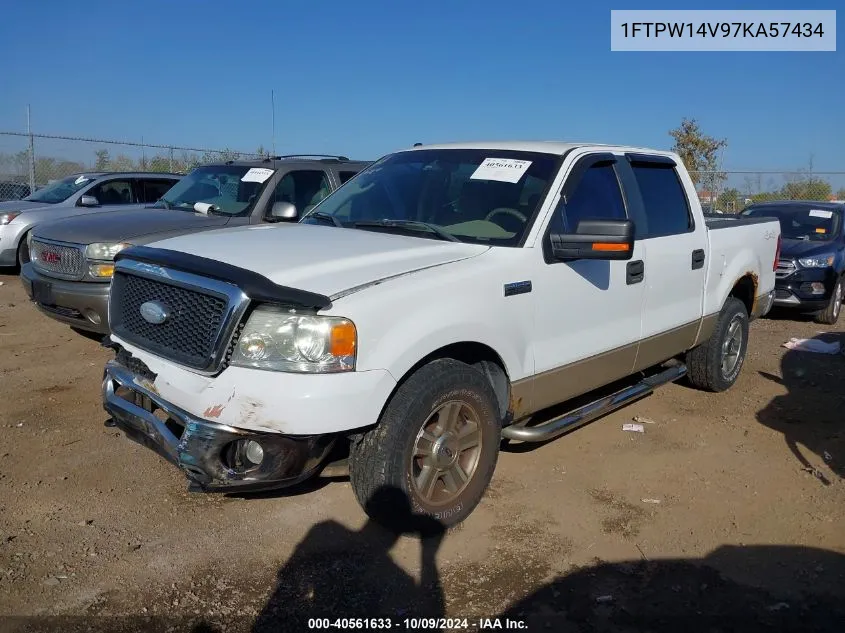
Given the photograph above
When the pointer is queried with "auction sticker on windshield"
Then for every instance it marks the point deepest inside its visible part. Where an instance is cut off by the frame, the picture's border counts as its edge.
(501, 169)
(80, 180)
(821, 213)
(257, 174)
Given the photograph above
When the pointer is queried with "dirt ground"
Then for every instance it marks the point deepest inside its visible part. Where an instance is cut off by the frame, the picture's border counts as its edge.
(725, 514)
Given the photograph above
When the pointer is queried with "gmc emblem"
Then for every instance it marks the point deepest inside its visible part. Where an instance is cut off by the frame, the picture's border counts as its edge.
(50, 257)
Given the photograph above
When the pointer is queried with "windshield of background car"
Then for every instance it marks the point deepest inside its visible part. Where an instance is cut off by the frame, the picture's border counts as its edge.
(801, 222)
(478, 196)
(232, 189)
(60, 190)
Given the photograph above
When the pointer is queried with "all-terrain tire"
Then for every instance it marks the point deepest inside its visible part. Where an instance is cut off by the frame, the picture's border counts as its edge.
(382, 461)
(705, 367)
(830, 315)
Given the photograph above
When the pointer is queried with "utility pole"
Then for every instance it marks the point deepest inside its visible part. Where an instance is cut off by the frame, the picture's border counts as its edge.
(273, 106)
(31, 151)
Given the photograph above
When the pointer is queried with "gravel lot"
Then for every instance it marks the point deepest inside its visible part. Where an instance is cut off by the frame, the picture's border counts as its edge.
(725, 514)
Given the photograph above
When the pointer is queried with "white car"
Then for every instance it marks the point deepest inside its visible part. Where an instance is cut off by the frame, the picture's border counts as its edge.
(444, 298)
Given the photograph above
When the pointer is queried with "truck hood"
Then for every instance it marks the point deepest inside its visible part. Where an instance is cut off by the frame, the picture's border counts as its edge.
(127, 225)
(321, 259)
(805, 248)
(20, 205)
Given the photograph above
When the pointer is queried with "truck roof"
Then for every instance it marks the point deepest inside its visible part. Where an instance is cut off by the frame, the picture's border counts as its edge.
(544, 147)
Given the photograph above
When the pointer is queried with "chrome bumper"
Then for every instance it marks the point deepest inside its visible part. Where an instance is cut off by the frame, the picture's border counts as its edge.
(199, 447)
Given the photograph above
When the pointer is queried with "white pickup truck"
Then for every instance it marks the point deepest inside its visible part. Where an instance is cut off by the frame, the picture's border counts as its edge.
(447, 297)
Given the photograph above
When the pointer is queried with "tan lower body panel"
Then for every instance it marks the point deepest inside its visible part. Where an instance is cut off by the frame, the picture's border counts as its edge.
(564, 383)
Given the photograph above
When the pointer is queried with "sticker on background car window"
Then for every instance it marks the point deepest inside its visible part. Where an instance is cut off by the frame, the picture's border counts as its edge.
(501, 169)
(820, 213)
(257, 174)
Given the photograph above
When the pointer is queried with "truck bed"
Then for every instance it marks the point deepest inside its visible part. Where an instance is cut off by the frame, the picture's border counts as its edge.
(716, 221)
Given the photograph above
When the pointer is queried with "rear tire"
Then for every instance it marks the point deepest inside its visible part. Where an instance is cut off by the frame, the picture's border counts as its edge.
(830, 315)
(715, 364)
(434, 449)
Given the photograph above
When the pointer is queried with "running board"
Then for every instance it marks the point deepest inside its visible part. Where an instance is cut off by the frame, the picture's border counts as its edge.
(589, 412)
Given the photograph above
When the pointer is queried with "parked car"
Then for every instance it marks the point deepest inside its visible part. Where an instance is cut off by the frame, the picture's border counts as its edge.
(79, 194)
(13, 191)
(812, 262)
(72, 261)
(446, 297)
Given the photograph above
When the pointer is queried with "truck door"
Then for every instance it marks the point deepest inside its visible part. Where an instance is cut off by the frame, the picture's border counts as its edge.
(588, 312)
(676, 247)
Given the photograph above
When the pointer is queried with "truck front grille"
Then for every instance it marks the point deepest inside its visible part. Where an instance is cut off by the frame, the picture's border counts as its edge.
(57, 260)
(194, 331)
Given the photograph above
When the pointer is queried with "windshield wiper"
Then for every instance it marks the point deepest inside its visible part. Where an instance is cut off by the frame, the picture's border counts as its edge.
(165, 203)
(443, 235)
(326, 217)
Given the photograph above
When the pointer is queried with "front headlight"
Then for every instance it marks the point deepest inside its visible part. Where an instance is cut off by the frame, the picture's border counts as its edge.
(5, 218)
(817, 261)
(104, 250)
(282, 340)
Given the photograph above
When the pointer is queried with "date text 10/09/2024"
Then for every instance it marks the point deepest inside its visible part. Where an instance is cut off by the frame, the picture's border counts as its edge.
(416, 624)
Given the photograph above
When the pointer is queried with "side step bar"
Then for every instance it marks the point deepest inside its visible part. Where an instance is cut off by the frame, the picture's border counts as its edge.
(589, 412)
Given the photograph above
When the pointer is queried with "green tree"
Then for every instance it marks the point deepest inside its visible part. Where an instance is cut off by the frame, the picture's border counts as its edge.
(102, 159)
(806, 188)
(730, 200)
(700, 154)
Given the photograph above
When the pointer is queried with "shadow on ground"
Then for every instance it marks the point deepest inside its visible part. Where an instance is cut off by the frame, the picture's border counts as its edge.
(810, 414)
(790, 589)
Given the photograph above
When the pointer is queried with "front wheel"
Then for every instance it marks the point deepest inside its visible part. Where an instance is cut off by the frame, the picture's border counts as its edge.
(830, 315)
(715, 364)
(23, 251)
(436, 446)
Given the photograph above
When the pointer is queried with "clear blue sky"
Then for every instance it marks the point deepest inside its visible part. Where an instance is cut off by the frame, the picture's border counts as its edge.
(364, 78)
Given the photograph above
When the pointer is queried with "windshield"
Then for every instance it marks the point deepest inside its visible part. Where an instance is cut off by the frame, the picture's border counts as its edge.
(801, 222)
(232, 189)
(60, 190)
(478, 196)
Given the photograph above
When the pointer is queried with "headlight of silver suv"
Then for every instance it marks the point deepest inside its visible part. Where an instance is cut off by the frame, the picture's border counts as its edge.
(103, 253)
(817, 261)
(6, 218)
(282, 340)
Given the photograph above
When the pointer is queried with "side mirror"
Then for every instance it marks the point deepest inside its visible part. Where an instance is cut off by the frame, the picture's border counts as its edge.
(595, 239)
(281, 211)
(88, 201)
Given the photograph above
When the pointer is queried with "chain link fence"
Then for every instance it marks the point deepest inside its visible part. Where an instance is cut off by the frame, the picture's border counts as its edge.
(30, 161)
(732, 191)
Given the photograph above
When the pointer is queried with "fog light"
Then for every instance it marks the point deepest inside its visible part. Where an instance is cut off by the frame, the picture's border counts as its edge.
(243, 456)
(817, 288)
(254, 452)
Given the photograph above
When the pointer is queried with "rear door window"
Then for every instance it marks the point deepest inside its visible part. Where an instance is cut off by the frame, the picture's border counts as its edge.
(151, 190)
(664, 199)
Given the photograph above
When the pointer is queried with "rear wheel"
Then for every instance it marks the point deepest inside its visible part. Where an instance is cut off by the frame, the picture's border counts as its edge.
(715, 364)
(830, 314)
(437, 444)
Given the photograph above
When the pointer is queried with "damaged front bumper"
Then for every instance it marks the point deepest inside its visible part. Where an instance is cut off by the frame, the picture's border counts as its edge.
(210, 454)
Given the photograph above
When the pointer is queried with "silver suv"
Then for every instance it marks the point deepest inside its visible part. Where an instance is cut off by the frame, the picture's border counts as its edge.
(79, 194)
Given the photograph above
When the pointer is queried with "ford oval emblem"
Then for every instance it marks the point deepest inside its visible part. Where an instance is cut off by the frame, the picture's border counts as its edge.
(154, 312)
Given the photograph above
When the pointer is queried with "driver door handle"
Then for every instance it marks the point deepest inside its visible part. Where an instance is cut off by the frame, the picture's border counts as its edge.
(635, 272)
